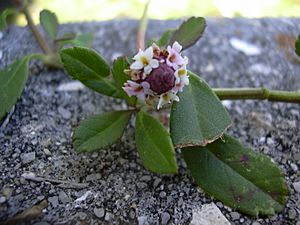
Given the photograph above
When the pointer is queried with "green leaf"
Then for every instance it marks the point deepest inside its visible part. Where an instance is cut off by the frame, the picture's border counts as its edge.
(80, 40)
(88, 67)
(120, 77)
(165, 38)
(297, 46)
(199, 117)
(189, 32)
(49, 23)
(4, 15)
(12, 83)
(100, 131)
(241, 178)
(154, 144)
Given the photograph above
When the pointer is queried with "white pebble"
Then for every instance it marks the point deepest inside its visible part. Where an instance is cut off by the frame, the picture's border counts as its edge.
(245, 47)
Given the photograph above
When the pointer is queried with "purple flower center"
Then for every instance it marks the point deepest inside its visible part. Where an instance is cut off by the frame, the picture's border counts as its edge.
(161, 79)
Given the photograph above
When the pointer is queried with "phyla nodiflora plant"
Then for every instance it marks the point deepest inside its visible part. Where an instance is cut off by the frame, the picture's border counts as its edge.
(157, 76)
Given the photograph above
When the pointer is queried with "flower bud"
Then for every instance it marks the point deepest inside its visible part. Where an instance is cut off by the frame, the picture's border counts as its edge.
(161, 79)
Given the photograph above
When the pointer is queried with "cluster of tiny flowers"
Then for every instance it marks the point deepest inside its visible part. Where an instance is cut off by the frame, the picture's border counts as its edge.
(157, 73)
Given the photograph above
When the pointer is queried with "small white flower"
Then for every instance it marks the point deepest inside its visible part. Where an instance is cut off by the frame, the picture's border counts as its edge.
(139, 90)
(174, 59)
(166, 98)
(144, 59)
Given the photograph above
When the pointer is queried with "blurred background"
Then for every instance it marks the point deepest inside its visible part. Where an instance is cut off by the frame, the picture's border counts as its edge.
(89, 10)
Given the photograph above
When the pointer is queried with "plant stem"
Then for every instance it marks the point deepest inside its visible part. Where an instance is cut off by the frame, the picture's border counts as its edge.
(141, 33)
(41, 41)
(257, 93)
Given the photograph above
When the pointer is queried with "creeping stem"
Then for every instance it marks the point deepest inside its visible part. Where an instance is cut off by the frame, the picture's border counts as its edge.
(41, 41)
(257, 93)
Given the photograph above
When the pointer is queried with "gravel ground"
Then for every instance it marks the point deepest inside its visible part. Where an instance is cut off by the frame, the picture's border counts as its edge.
(111, 186)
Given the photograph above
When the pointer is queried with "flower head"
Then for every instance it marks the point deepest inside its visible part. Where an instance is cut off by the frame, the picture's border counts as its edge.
(144, 60)
(158, 74)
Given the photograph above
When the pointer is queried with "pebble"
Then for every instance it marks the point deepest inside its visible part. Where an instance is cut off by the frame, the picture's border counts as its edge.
(27, 157)
(255, 223)
(1, 54)
(2, 199)
(1, 35)
(71, 86)
(99, 212)
(47, 152)
(165, 217)
(66, 114)
(82, 215)
(296, 186)
(235, 215)
(208, 214)
(63, 197)
(41, 223)
(245, 47)
(143, 220)
(162, 194)
(108, 216)
(54, 201)
(294, 167)
(292, 213)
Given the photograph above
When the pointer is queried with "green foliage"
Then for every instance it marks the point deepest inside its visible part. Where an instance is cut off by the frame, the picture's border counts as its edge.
(199, 117)
(80, 40)
(241, 178)
(100, 131)
(154, 144)
(4, 15)
(297, 46)
(90, 68)
(12, 83)
(165, 38)
(49, 23)
(189, 32)
(120, 77)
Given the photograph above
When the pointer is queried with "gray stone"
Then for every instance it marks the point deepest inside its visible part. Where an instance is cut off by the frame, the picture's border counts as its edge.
(292, 213)
(82, 215)
(235, 215)
(2, 199)
(143, 220)
(47, 152)
(1, 54)
(108, 216)
(209, 214)
(296, 186)
(27, 157)
(53, 201)
(41, 223)
(99, 212)
(63, 197)
(165, 217)
(66, 114)
(255, 223)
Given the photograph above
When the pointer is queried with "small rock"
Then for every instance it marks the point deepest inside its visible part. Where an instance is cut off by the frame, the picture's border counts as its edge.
(2, 199)
(235, 215)
(64, 112)
(63, 197)
(165, 217)
(245, 47)
(99, 212)
(47, 152)
(1, 54)
(82, 215)
(71, 86)
(1, 35)
(41, 223)
(296, 186)
(143, 220)
(94, 176)
(162, 194)
(27, 157)
(209, 214)
(84, 197)
(54, 201)
(292, 213)
(256, 223)
(108, 216)
(294, 167)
